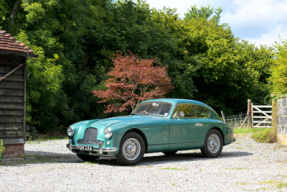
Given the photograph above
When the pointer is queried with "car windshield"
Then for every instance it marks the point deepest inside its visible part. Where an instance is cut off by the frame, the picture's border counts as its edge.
(153, 108)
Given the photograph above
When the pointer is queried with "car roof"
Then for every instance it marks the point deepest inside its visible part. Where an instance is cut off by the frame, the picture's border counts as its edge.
(170, 100)
(175, 101)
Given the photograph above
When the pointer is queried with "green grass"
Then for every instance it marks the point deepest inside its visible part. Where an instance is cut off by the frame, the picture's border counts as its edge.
(174, 168)
(236, 168)
(281, 185)
(249, 130)
(260, 135)
(265, 136)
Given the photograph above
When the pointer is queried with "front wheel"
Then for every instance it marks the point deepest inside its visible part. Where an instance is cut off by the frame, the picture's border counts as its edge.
(213, 144)
(131, 150)
(87, 157)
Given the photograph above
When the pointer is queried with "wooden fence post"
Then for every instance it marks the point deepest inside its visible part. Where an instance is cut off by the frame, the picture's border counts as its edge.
(248, 113)
(251, 115)
(222, 115)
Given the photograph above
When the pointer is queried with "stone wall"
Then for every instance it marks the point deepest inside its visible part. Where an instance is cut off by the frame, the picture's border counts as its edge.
(282, 121)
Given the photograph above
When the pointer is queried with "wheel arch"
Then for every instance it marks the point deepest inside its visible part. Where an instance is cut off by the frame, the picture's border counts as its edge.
(220, 131)
(141, 134)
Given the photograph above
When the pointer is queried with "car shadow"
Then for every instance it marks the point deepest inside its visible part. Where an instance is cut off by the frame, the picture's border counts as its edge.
(41, 157)
(180, 157)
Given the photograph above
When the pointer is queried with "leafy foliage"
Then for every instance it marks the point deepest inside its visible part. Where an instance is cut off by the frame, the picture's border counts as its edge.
(75, 40)
(131, 81)
(2, 149)
(266, 136)
(278, 79)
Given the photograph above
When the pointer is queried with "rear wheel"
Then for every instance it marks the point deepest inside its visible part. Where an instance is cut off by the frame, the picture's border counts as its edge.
(131, 150)
(87, 157)
(169, 153)
(213, 144)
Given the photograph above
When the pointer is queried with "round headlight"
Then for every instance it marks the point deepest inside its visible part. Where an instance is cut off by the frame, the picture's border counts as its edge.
(70, 131)
(108, 132)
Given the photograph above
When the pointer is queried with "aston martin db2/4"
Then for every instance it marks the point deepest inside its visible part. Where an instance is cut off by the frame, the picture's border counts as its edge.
(158, 125)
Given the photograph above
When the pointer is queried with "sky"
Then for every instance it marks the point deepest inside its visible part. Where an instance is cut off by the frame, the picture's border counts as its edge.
(257, 21)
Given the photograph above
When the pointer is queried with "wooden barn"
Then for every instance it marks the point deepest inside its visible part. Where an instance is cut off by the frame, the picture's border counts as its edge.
(13, 58)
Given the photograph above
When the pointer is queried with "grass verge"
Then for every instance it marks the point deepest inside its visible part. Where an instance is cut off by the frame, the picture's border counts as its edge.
(249, 130)
(266, 136)
(260, 135)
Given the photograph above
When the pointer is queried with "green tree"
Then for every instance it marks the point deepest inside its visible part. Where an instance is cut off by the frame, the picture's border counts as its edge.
(206, 13)
(75, 39)
(278, 79)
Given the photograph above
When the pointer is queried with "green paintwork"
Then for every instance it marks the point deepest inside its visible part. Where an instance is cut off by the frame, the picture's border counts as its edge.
(160, 133)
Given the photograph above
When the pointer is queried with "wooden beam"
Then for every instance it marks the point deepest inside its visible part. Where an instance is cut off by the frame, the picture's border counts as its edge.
(251, 115)
(222, 115)
(5, 76)
(263, 106)
(10, 126)
(243, 122)
(11, 92)
(12, 112)
(13, 77)
(11, 85)
(262, 112)
(13, 134)
(11, 99)
(12, 140)
(24, 98)
(6, 69)
(11, 106)
(11, 119)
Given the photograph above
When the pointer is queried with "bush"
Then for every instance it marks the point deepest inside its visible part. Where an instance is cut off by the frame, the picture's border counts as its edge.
(2, 148)
(266, 136)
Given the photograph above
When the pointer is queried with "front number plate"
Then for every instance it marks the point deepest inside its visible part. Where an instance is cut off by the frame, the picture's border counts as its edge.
(84, 148)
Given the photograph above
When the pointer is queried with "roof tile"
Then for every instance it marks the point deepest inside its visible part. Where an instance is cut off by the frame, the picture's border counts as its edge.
(9, 43)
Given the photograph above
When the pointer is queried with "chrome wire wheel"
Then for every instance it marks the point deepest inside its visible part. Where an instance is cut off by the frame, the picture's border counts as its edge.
(131, 149)
(213, 143)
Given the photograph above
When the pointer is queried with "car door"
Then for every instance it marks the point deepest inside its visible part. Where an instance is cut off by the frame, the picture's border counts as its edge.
(202, 122)
(183, 129)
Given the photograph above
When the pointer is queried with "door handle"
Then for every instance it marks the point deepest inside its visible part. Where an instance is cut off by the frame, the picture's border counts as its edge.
(198, 124)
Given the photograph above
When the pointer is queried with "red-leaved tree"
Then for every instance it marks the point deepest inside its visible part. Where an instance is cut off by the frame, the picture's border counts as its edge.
(131, 81)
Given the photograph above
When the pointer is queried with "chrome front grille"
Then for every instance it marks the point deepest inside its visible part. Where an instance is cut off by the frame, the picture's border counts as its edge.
(90, 137)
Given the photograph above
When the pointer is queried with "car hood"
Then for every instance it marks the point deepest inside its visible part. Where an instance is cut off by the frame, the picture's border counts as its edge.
(130, 119)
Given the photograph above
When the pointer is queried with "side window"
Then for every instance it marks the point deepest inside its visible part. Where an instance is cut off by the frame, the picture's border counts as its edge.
(185, 111)
(201, 112)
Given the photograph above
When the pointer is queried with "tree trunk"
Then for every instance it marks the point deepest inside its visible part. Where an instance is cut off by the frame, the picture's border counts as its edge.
(16, 4)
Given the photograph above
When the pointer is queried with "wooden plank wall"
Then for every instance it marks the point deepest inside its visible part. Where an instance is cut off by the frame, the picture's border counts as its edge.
(12, 97)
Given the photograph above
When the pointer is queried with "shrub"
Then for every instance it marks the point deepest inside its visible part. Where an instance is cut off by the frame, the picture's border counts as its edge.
(266, 136)
(2, 148)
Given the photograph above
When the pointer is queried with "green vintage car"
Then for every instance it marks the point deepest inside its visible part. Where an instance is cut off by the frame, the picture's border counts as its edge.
(159, 125)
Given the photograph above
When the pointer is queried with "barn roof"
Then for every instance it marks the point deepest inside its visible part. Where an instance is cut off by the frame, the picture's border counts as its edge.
(8, 44)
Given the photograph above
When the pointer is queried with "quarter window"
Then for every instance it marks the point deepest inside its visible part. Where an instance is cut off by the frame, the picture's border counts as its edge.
(185, 111)
(201, 112)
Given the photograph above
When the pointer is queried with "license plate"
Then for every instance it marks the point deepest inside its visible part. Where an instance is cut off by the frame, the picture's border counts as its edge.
(84, 148)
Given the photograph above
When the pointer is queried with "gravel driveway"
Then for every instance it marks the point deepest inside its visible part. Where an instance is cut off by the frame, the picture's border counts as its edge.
(243, 166)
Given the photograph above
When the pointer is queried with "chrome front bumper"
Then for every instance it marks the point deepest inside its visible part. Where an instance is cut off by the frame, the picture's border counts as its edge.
(99, 150)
